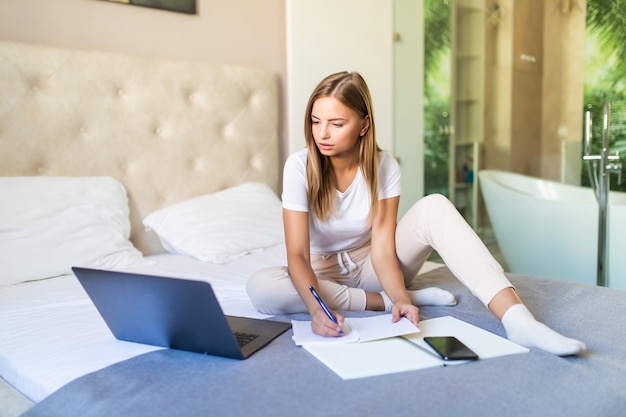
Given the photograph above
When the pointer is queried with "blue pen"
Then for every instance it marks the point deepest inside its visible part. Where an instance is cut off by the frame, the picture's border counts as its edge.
(324, 307)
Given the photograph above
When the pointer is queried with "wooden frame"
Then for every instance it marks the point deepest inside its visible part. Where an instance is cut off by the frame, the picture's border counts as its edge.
(180, 6)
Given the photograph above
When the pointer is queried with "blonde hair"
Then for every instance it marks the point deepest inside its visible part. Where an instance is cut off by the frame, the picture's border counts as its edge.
(352, 91)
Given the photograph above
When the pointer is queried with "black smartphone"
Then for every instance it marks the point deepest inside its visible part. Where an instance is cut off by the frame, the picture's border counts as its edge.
(450, 348)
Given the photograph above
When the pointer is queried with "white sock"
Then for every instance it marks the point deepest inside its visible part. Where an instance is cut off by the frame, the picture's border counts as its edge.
(387, 301)
(432, 296)
(522, 328)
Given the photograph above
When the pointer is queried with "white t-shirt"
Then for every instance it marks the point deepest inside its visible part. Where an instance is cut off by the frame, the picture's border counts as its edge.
(349, 228)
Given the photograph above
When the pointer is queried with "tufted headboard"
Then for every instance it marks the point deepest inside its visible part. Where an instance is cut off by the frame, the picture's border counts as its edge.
(167, 130)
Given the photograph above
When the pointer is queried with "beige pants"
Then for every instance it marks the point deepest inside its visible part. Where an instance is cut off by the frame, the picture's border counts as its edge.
(432, 223)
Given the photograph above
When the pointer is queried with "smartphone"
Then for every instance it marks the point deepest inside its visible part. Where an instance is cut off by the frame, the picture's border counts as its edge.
(450, 348)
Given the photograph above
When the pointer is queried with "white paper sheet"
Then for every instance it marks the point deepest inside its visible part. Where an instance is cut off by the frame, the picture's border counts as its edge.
(407, 353)
(379, 357)
(356, 329)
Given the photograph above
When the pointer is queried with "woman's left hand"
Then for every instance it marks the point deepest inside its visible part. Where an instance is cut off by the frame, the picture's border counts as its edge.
(409, 311)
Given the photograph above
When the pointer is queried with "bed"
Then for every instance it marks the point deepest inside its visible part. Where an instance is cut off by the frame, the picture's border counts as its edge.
(173, 168)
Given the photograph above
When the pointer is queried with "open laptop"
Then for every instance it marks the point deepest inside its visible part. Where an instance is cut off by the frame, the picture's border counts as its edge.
(174, 313)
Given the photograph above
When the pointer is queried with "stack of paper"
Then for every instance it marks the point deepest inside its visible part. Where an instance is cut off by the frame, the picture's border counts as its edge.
(369, 347)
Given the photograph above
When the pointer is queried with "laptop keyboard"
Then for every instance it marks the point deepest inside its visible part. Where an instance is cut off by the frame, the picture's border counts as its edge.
(245, 338)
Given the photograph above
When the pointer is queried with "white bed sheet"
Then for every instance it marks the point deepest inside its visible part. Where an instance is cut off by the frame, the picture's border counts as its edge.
(51, 333)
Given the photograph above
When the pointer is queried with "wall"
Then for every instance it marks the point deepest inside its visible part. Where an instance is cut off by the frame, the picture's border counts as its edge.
(237, 32)
(535, 88)
(563, 90)
(527, 93)
(498, 89)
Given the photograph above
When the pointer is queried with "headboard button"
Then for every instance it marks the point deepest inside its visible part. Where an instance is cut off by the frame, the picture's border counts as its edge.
(257, 163)
(254, 100)
(227, 131)
(197, 164)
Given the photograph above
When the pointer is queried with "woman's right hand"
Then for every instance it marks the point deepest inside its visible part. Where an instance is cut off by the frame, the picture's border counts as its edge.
(322, 325)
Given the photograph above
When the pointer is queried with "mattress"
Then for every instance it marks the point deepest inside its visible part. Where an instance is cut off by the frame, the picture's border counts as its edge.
(53, 334)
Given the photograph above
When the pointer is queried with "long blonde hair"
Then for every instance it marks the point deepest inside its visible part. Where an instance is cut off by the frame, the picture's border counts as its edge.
(352, 91)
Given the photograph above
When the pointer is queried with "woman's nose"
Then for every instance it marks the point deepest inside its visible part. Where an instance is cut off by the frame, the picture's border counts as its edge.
(324, 131)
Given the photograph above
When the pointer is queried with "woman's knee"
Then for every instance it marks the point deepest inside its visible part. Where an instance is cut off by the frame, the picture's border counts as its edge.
(436, 201)
(433, 204)
(266, 290)
(263, 279)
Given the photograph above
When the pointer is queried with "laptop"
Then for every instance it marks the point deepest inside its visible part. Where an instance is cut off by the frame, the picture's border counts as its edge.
(174, 313)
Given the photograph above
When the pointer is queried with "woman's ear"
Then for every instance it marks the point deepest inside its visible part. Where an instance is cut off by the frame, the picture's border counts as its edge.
(365, 125)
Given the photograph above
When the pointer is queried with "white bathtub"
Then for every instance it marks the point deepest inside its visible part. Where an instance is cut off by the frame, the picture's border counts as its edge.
(549, 229)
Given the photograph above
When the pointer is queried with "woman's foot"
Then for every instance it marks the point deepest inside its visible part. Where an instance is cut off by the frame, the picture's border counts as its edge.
(522, 328)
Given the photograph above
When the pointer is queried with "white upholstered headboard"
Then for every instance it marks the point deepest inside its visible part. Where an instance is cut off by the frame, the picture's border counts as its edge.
(167, 130)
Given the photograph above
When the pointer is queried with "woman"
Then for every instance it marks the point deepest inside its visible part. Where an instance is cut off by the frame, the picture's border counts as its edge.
(346, 244)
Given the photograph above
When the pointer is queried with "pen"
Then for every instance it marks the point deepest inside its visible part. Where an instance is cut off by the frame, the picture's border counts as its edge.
(324, 307)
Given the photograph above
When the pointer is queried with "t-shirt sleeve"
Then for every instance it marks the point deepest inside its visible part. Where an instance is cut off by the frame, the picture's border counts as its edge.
(295, 194)
(388, 177)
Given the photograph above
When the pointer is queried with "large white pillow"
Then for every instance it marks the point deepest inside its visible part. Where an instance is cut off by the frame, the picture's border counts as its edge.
(49, 224)
(221, 226)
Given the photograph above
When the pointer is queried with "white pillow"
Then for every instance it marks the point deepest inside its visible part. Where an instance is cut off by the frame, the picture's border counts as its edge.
(221, 226)
(49, 224)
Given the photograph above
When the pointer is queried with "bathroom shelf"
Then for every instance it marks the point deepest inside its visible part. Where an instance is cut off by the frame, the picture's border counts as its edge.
(467, 105)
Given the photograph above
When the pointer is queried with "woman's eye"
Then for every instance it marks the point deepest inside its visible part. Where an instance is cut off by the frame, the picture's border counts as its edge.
(337, 124)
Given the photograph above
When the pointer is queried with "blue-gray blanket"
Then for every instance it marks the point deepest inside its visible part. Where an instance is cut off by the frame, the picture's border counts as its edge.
(285, 380)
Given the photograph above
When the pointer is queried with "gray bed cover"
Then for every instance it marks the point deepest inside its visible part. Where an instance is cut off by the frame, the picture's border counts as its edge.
(285, 380)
